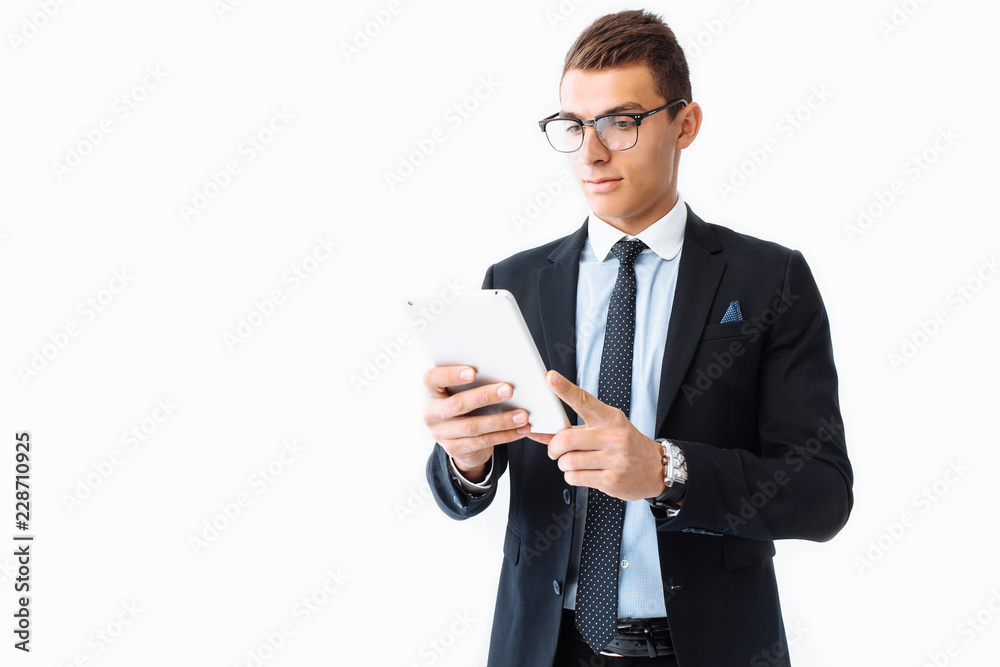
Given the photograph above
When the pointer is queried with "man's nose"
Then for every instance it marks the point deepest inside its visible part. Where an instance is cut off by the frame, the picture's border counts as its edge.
(592, 149)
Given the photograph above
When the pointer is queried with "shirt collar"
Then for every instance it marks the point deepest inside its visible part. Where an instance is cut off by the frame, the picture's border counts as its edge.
(664, 237)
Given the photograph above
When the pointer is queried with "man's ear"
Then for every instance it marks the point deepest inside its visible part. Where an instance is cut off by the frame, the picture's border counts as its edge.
(690, 123)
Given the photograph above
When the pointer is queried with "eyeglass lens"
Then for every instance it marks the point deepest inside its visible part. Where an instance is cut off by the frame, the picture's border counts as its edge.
(617, 133)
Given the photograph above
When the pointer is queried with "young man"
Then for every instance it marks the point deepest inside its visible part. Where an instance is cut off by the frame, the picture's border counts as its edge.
(705, 396)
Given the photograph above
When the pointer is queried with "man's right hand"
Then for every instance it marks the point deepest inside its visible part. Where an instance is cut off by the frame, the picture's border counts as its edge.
(469, 440)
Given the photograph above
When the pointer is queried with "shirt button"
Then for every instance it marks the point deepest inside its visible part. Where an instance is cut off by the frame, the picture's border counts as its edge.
(624, 563)
(566, 496)
(556, 587)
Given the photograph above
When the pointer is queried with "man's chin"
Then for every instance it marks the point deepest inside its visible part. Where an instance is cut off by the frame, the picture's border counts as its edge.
(604, 206)
(605, 212)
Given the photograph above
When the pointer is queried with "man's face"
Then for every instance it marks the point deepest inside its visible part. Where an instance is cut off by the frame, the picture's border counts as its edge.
(633, 188)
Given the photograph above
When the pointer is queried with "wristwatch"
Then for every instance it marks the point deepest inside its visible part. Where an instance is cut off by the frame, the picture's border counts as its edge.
(674, 475)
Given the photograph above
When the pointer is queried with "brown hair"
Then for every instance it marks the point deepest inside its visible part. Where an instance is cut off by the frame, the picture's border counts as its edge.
(631, 37)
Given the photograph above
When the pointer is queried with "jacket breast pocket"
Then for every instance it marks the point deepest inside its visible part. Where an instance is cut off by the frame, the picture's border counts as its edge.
(726, 330)
(511, 546)
(739, 552)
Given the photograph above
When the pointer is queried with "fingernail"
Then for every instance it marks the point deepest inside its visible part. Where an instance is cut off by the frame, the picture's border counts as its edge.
(466, 374)
(523, 430)
(520, 418)
(504, 391)
(556, 378)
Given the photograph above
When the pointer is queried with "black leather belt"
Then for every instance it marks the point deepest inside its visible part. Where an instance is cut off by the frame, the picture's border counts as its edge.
(636, 638)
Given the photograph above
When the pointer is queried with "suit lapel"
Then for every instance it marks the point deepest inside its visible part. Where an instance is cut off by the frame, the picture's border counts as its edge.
(698, 279)
(557, 298)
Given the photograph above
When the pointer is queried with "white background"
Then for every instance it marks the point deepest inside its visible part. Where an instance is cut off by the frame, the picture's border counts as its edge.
(350, 512)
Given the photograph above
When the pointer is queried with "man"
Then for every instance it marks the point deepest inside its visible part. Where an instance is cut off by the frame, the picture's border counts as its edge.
(708, 422)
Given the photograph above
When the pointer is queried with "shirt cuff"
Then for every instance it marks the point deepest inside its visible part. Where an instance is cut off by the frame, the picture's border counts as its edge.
(472, 488)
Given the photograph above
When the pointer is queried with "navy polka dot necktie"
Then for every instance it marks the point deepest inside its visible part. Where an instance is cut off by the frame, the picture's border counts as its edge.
(597, 588)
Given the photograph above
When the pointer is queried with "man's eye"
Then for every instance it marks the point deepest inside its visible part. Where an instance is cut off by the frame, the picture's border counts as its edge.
(573, 129)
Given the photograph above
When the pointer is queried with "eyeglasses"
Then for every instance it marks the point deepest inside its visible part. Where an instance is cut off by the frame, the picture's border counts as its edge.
(616, 131)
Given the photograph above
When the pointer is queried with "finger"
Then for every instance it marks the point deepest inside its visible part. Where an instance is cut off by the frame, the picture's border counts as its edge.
(449, 406)
(466, 446)
(582, 402)
(575, 438)
(465, 427)
(591, 478)
(439, 377)
(467, 400)
(581, 460)
(543, 438)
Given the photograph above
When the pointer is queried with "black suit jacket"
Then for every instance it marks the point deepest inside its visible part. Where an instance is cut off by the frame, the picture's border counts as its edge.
(753, 405)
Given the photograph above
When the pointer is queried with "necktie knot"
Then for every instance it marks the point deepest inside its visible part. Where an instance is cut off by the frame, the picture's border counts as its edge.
(627, 251)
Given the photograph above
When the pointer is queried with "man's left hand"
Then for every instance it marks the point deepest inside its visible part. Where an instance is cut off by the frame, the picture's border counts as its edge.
(606, 453)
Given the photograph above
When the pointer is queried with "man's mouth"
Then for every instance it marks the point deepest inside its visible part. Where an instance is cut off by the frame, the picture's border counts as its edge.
(602, 184)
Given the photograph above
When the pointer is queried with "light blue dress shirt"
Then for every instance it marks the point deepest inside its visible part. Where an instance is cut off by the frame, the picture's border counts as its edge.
(640, 588)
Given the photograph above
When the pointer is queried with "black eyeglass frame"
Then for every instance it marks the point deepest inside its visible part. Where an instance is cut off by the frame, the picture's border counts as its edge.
(637, 117)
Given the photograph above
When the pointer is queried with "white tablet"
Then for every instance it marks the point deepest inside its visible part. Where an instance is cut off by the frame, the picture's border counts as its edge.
(485, 329)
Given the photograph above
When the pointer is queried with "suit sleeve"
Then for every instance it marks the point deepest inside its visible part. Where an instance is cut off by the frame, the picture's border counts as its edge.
(800, 485)
(453, 500)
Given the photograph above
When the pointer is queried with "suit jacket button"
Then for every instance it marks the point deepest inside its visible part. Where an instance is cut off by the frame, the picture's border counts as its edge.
(556, 587)
(566, 496)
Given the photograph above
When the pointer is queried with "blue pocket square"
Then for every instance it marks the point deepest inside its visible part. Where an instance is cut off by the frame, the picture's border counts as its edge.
(733, 313)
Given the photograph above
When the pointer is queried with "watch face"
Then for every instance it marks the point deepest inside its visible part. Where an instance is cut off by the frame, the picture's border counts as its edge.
(680, 465)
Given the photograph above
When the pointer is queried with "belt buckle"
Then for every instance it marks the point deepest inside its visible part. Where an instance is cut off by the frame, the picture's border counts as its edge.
(633, 624)
(641, 628)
